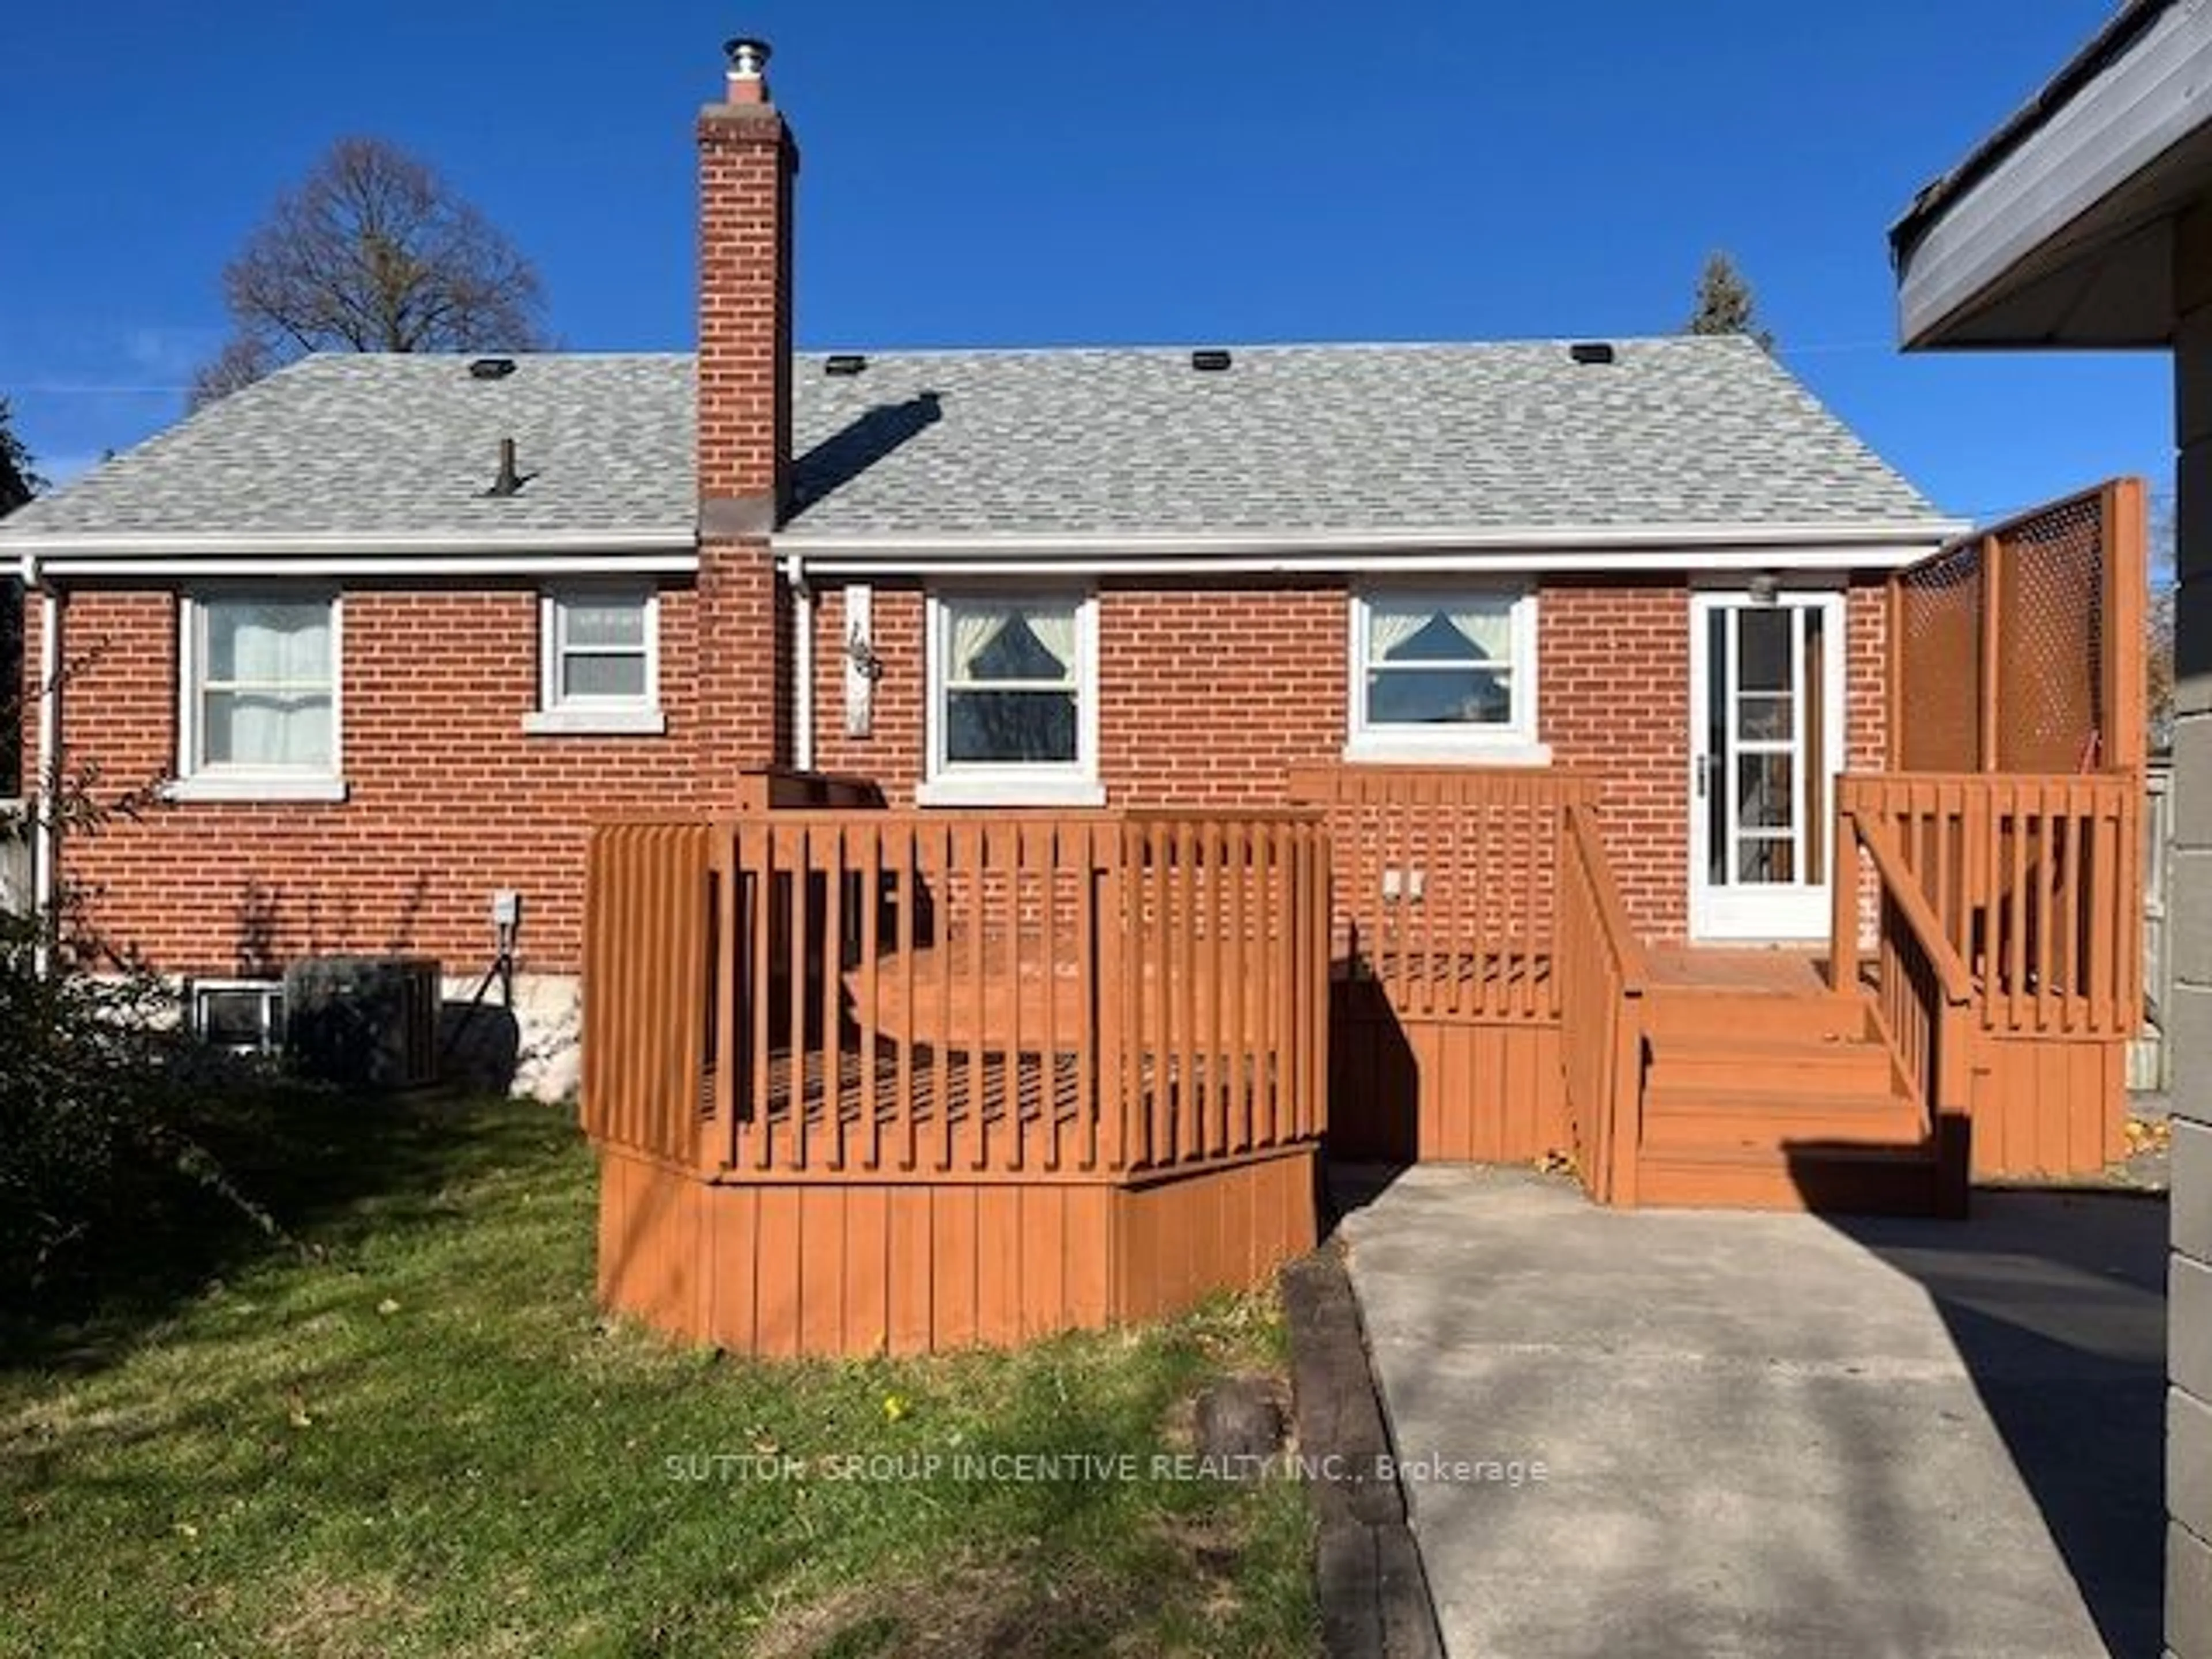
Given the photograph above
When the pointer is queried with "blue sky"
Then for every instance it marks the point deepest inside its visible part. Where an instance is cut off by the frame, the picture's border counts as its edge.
(1000, 173)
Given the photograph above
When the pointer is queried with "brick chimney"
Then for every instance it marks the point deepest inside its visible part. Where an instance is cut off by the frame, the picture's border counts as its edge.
(745, 646)
(747, 162)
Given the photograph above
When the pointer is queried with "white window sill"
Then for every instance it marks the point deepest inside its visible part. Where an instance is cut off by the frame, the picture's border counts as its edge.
(249, 787)
(1010, 791)
(1462, 751)
(595, 722)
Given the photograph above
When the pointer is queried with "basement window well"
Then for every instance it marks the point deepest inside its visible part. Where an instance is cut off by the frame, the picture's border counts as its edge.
(598, 662)
(244, 1016)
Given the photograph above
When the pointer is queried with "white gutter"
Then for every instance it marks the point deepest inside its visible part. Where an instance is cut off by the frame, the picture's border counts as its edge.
(254, 544)
(802, 667)
(44, 879)
(1318, 549)
(1888, 555)
(95, 566)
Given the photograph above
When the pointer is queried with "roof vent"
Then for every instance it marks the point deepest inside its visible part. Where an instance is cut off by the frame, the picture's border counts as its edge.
(491, 368)
(1210, 360)
(844, 363)
(1591, 351)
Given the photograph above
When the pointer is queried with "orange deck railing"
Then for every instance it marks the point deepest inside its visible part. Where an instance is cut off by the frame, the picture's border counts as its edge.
(1602, 979)
(1922, 994)
(2035, 884)
(1447, 883)
(885, 996)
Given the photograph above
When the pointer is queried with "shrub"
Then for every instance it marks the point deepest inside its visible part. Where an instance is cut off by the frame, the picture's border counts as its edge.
(107, 1112)
(108, 1108)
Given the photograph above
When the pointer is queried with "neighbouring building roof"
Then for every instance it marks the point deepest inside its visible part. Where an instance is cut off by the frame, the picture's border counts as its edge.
(2120, 32)
(2058, 228)
(1676, 432)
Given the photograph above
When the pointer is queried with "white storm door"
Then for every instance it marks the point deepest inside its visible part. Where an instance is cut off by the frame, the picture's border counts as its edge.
(1767, 741)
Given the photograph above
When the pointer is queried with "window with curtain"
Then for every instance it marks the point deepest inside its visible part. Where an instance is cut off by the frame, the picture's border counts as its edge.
(263, 691)
(1445, 668)
(1011, 682)
(599, 650)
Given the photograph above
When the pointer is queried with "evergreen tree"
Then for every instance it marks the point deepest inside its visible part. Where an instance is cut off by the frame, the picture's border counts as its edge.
(1725, 304)
(18, 483)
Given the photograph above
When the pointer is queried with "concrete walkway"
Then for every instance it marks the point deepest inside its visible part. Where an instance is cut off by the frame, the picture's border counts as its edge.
(1772, 1435)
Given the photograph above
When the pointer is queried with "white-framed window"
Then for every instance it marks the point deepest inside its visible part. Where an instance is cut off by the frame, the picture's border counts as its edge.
(598, 657)
(246, 1016)
(1013, 699)
(258, 696)
(1444, 673)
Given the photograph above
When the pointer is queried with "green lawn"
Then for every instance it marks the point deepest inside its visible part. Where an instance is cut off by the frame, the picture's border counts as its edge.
(409, 1431)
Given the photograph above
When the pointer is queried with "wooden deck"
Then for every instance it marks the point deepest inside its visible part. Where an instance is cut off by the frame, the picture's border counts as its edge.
(1079, 1060)
(1780, 970)
(864, 1079)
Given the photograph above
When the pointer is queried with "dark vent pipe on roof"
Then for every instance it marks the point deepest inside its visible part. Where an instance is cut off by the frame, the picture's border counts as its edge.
(491, 368)
(1210, 360)
(1591, 351)
(509, 481)
(844, 363)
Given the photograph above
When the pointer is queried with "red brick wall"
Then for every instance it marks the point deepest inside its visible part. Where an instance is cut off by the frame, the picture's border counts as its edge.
(746, 164)
(1613, 699)
(1212, 694)
(742, 631)
(1207, 696)
(891, 753)
(1865, 678)
(448, 799)
(1866, 695)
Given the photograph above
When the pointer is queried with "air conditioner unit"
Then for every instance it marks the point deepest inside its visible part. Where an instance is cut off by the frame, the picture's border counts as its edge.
(364, 1021)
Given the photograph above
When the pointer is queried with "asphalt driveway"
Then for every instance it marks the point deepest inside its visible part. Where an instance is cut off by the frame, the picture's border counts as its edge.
(1705, 1434)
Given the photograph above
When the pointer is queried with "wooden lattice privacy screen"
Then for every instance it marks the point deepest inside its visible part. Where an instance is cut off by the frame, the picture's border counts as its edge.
(2020, 648)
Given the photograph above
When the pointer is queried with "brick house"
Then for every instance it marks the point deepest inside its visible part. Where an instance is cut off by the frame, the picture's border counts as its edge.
(383, 689)
(991, 814)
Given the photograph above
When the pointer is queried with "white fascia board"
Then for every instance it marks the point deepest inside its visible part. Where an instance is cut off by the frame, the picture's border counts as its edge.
(1883, 547)
(2151, 98)
(812, 546)
(632, 553)
(325, 553)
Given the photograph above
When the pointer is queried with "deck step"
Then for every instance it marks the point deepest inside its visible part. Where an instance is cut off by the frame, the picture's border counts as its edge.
(1758, 1016)
(1779, 1066)
(1839, 1180)
(1751, 1116)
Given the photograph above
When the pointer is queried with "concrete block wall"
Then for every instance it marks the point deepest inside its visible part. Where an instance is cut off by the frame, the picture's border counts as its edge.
(2189, 1028)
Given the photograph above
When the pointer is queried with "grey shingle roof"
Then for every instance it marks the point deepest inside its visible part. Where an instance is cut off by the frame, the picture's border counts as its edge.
(1679, 432)
(386, 444)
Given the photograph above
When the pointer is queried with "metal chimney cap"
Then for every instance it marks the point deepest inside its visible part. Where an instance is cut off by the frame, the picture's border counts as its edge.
(748, 55)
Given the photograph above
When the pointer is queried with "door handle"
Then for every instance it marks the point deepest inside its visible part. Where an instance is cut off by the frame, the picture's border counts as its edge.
(1703, 763)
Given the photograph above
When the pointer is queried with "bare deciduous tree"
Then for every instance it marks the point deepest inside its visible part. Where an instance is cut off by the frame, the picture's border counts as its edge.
(373, 252)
